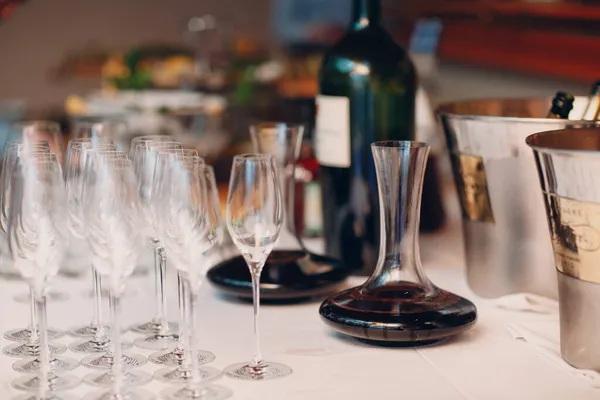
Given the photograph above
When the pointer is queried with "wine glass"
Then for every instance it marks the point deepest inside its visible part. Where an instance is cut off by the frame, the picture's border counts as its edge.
(254, 218)
(87, 183)
(29, 334)
(163, 334)
(182, 209)
(32, 134)
(112, 206)
(77, 152)
(176, 356)
(183, 373)
(37, 240)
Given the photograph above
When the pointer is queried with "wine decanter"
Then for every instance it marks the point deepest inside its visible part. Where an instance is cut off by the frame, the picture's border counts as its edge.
(399, 303)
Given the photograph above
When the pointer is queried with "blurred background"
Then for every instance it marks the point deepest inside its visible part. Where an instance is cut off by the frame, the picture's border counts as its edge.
(207, 68)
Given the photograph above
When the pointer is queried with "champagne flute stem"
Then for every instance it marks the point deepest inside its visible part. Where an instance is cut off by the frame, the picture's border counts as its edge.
(193, 340)
(44, 387)
(163, 293)
(97, 319)
(180, 349)
(33, 328)
(256, 271)
(157, 285)
(117, 366)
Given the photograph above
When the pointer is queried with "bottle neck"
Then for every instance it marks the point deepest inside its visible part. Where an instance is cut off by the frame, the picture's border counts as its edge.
(365, 13)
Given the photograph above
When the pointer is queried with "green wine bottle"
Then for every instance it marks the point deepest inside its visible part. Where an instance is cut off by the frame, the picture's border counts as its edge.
(367, 90)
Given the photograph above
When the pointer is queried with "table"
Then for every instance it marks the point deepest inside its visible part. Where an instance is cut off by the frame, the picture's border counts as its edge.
(485, 363)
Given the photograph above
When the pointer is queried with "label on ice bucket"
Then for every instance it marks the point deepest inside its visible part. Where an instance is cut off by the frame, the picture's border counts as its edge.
(575, 227)
(472, 188)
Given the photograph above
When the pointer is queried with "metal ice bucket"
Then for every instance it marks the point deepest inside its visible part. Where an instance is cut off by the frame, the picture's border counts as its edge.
(507, 244)
(568, 164)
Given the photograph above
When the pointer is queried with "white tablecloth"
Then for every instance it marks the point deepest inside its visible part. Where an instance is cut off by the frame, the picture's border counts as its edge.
(486, 363)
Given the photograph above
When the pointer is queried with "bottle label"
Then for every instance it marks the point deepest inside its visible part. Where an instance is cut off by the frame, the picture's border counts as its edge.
(472, 188)
(575, 227)
(313, 211)
(333, 131)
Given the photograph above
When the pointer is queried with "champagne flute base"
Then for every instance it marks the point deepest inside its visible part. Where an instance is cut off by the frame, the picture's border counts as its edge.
(202, 392)
(173, 358)
(157, 341)
(93, 346)
(153, 327)
(127, 394)
(57, 364)
(184, 374)
(32, 383)
(105, 361)
(88, 331)
(51, 396)
(22, 335)
(263, 371)
(130, 378)
(25, 350)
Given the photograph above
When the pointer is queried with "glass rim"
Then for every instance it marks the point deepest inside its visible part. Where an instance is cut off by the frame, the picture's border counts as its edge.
(253, 157)
(274, 124)
(399, 144)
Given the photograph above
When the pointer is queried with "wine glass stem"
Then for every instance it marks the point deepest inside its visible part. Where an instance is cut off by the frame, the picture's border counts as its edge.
(117, 367)
(97, 319)
(182, 313)
(44, 387)
(257, 357)
(162, 272)
(157, 285)
(33, 332)
(193, 339)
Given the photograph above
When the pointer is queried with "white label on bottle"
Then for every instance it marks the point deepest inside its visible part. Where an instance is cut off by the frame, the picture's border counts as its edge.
(333, 131)
(313, 211)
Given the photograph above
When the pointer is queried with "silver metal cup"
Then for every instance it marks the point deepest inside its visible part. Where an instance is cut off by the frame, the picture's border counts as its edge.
(506, 238)
(568, 163)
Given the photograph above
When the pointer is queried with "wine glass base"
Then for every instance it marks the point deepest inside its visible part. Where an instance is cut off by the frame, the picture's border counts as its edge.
(261, 372)
(157, 341)
(154, 327)
(130, 378)
(52, 396)
(32, 383)
(202, 392)
(25, 298)
(182, 375)
(22, 335)
(105, 361)
(127, 394)
(57, 364)
(88, 331)
(92, 346)
(24, 350)
(171, 358)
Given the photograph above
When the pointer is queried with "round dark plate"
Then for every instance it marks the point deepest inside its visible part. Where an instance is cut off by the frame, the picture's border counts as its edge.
(287, 275)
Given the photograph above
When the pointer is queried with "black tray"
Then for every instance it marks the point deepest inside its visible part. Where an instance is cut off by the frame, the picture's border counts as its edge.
(287, 276)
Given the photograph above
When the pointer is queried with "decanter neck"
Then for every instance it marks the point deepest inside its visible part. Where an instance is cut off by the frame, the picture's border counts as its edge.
(400, 170)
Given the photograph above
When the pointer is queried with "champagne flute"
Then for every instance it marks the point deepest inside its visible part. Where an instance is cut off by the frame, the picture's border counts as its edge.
(78, 150)
(111, 201)
(183, 371)
(89, 180)
(183, 212)
(163, 333)
(37, 239)
(254, 219)
(32, 134)
(30, 334)
(176, 356)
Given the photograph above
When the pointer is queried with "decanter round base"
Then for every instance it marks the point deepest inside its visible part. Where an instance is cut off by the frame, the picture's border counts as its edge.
(401, 314)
